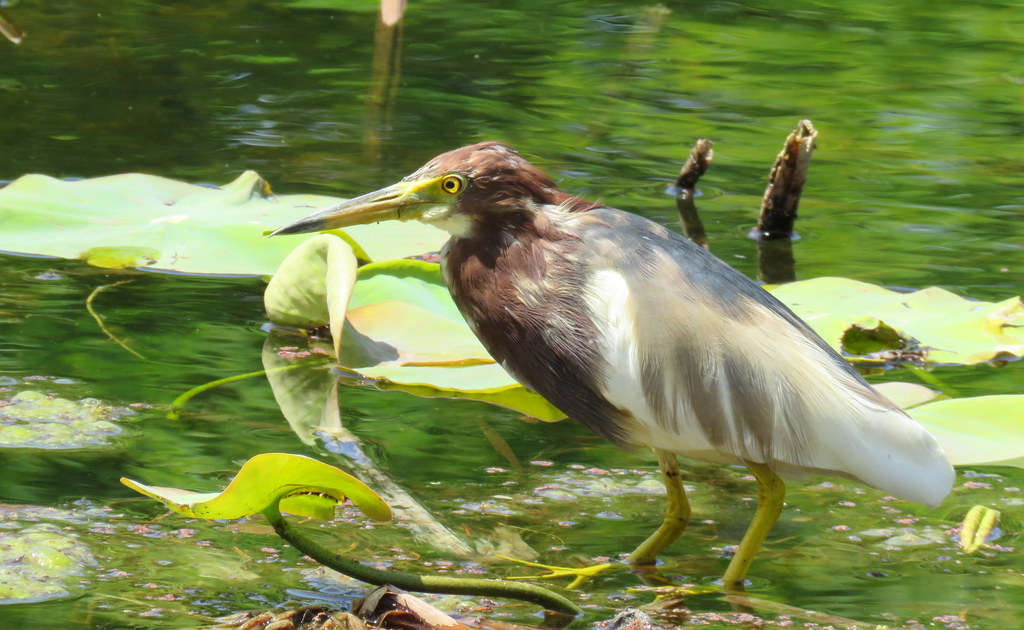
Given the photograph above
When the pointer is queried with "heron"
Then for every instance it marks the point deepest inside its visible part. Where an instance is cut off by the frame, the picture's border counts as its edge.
(648, 339)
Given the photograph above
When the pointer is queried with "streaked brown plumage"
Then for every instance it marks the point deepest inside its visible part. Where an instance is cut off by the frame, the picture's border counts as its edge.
(648, 339)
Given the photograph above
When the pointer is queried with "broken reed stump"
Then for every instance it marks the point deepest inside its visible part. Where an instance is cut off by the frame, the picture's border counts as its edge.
(774, 231)
(785, 183)
(696, 165)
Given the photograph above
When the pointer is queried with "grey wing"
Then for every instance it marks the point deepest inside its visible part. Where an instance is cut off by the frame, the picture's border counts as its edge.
(714, 367)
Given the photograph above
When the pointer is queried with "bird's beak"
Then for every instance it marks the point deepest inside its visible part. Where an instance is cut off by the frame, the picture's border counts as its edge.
(402, 201)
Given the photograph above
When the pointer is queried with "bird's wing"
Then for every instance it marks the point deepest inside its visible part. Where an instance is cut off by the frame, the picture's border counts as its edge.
(714, 367)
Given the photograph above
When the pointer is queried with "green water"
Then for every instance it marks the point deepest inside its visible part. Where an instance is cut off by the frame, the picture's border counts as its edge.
(916, 182)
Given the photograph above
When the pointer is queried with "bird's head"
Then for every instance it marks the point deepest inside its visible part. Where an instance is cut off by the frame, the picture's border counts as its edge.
(456, 191)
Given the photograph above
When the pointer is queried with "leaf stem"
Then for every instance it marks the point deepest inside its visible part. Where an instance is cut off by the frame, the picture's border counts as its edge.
(99, 318)
(174, 411)
(419, 583)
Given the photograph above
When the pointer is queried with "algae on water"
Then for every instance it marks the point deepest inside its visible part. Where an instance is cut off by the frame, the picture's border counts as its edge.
(40, 563)
(31, 419)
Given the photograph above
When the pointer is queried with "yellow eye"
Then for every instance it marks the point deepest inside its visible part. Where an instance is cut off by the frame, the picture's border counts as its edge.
(452, 184)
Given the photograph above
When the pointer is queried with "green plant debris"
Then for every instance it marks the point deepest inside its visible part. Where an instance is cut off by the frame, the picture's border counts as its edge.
(31, 419)
(137, 220)
(40, 563)
(977, 528)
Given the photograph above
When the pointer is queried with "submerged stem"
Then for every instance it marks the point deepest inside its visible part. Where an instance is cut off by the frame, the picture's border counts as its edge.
(419, 583)
(99, 318)
(174, 411)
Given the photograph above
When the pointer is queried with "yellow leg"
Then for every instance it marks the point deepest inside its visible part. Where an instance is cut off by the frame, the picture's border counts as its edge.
(677, 513)
(771, 493)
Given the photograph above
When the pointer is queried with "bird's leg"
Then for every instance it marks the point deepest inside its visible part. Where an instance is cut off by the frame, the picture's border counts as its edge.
(771, 492)
(677, 513)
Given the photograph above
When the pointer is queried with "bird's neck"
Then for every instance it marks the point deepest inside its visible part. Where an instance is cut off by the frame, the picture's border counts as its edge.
(492, 232)
(491, 236)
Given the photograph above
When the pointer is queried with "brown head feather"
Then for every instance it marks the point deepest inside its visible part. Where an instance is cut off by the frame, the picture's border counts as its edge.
(500, 180)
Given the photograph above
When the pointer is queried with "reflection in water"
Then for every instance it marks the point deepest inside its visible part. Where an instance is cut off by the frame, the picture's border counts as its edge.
(308, 399)
(387, 71)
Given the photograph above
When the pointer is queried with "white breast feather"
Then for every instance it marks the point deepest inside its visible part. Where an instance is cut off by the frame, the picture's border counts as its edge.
(611, 304)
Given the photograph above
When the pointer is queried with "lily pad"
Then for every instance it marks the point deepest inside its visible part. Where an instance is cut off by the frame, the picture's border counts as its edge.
(150, 222)
(951, 329)
(907, 395)
(488, 383)
(977, 431)
(291, 483)
(31, 419)
(405, 316)
(405, 333)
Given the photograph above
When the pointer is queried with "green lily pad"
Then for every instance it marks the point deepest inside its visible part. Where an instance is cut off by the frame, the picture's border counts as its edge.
(32, 419)
(907, 395)
(405, 316)
(291, 483)
(405, 333)
(859, 318)
(149, 222)
(977, 431)
(488, 383)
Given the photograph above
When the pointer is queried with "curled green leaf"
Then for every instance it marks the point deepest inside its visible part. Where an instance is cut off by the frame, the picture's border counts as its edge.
(977, 527)
(291, 483)
(313, 285)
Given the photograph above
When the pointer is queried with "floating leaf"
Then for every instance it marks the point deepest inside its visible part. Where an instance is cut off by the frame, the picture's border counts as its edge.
(976, 431)
(977, 527)
(486, 383)
(954, 329)
(296, 484)
(404, 315)
(907, 395)
(391, 240)
(136, 220)
(410, 336)
(313, 285)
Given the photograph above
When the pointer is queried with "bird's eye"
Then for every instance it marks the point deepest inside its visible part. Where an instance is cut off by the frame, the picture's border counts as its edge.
(452, 184)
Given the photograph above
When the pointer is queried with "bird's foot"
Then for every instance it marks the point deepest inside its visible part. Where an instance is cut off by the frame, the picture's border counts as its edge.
(579, 575)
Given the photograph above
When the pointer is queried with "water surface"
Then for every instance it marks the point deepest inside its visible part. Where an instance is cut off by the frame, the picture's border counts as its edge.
(916, 182)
